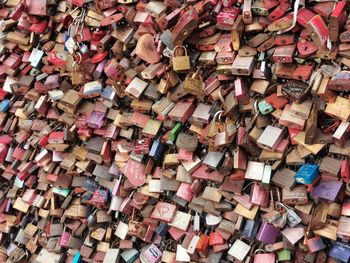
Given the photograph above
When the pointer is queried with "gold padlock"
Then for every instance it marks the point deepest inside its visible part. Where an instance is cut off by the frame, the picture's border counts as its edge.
(164, 85)
(181, 62)
(193, 84)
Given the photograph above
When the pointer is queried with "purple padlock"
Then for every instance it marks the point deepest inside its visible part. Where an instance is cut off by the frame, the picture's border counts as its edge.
(327, 189)
(96, 119)
(267, 234)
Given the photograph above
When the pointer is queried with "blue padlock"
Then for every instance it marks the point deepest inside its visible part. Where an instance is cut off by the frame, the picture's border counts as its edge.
(250, 228)
(340, 251)
(77, 258)
(90, 185)
(5, 105)
(157, 150)
(306, 174)
(162, 229)
(108, 93)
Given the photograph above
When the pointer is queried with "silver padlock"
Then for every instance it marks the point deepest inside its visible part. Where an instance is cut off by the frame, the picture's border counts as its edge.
(83, 48)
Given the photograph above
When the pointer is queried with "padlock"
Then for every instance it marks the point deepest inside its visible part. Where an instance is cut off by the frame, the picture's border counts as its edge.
(284, 54)
(194, 84)
(226, 17)
(337, 20)
(239, 250)
(340, 251)
(286, 39)
(181, 62)
(264, 107)
(243, 65)
(297, 195)
(259, 195)
(254, 170)
(327, 189)
(345, 170)
(267, 233)
(318, 30)
(284, 255)
(314, 244)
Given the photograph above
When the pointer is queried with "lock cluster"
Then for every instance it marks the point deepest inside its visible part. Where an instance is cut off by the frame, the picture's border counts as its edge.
(174, 131)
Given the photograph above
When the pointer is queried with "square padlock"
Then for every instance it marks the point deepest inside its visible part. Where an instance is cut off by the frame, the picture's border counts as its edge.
(181, 62)
(270, 138)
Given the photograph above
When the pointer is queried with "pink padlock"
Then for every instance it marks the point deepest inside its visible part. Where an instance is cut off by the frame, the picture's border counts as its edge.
(65, 236)
(151, 254)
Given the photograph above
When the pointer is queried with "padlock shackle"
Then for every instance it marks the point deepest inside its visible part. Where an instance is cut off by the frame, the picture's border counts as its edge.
(177, 47)
(259, 250)
(80, 59)
(217, 114)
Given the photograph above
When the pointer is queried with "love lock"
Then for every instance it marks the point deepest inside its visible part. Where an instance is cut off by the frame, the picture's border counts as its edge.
(280, 24)
(306, 48)
(185, 26)
(279, 11)
(304, 15)
(317, 30)
(337, 20)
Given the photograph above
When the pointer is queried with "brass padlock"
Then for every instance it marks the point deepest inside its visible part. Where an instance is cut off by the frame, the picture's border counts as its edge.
(194, 84)
(181, 62)
(163, 86)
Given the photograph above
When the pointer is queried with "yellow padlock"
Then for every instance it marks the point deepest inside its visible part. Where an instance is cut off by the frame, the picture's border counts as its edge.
(181, 62)
(194, 84)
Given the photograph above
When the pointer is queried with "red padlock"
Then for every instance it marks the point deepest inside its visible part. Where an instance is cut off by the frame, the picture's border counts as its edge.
(17, 12)
(304, 15)
(184, 155)
(269, 4)
(284, 54)
(324, 9)
(302, 72)
(317, 30)
(279, 11)
(275, 101)
(345, 170)
(215, 239)
(39, 28)
(43, 141)
(98, 57)
(79, 3)
(56, 59)
(227, 16)
(185, 26)
(337, 20)
(282, 40)
(306, 48)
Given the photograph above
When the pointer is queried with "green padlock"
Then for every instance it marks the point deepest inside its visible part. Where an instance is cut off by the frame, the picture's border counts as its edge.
(284, 255)
(264, 107)
(175, 131)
